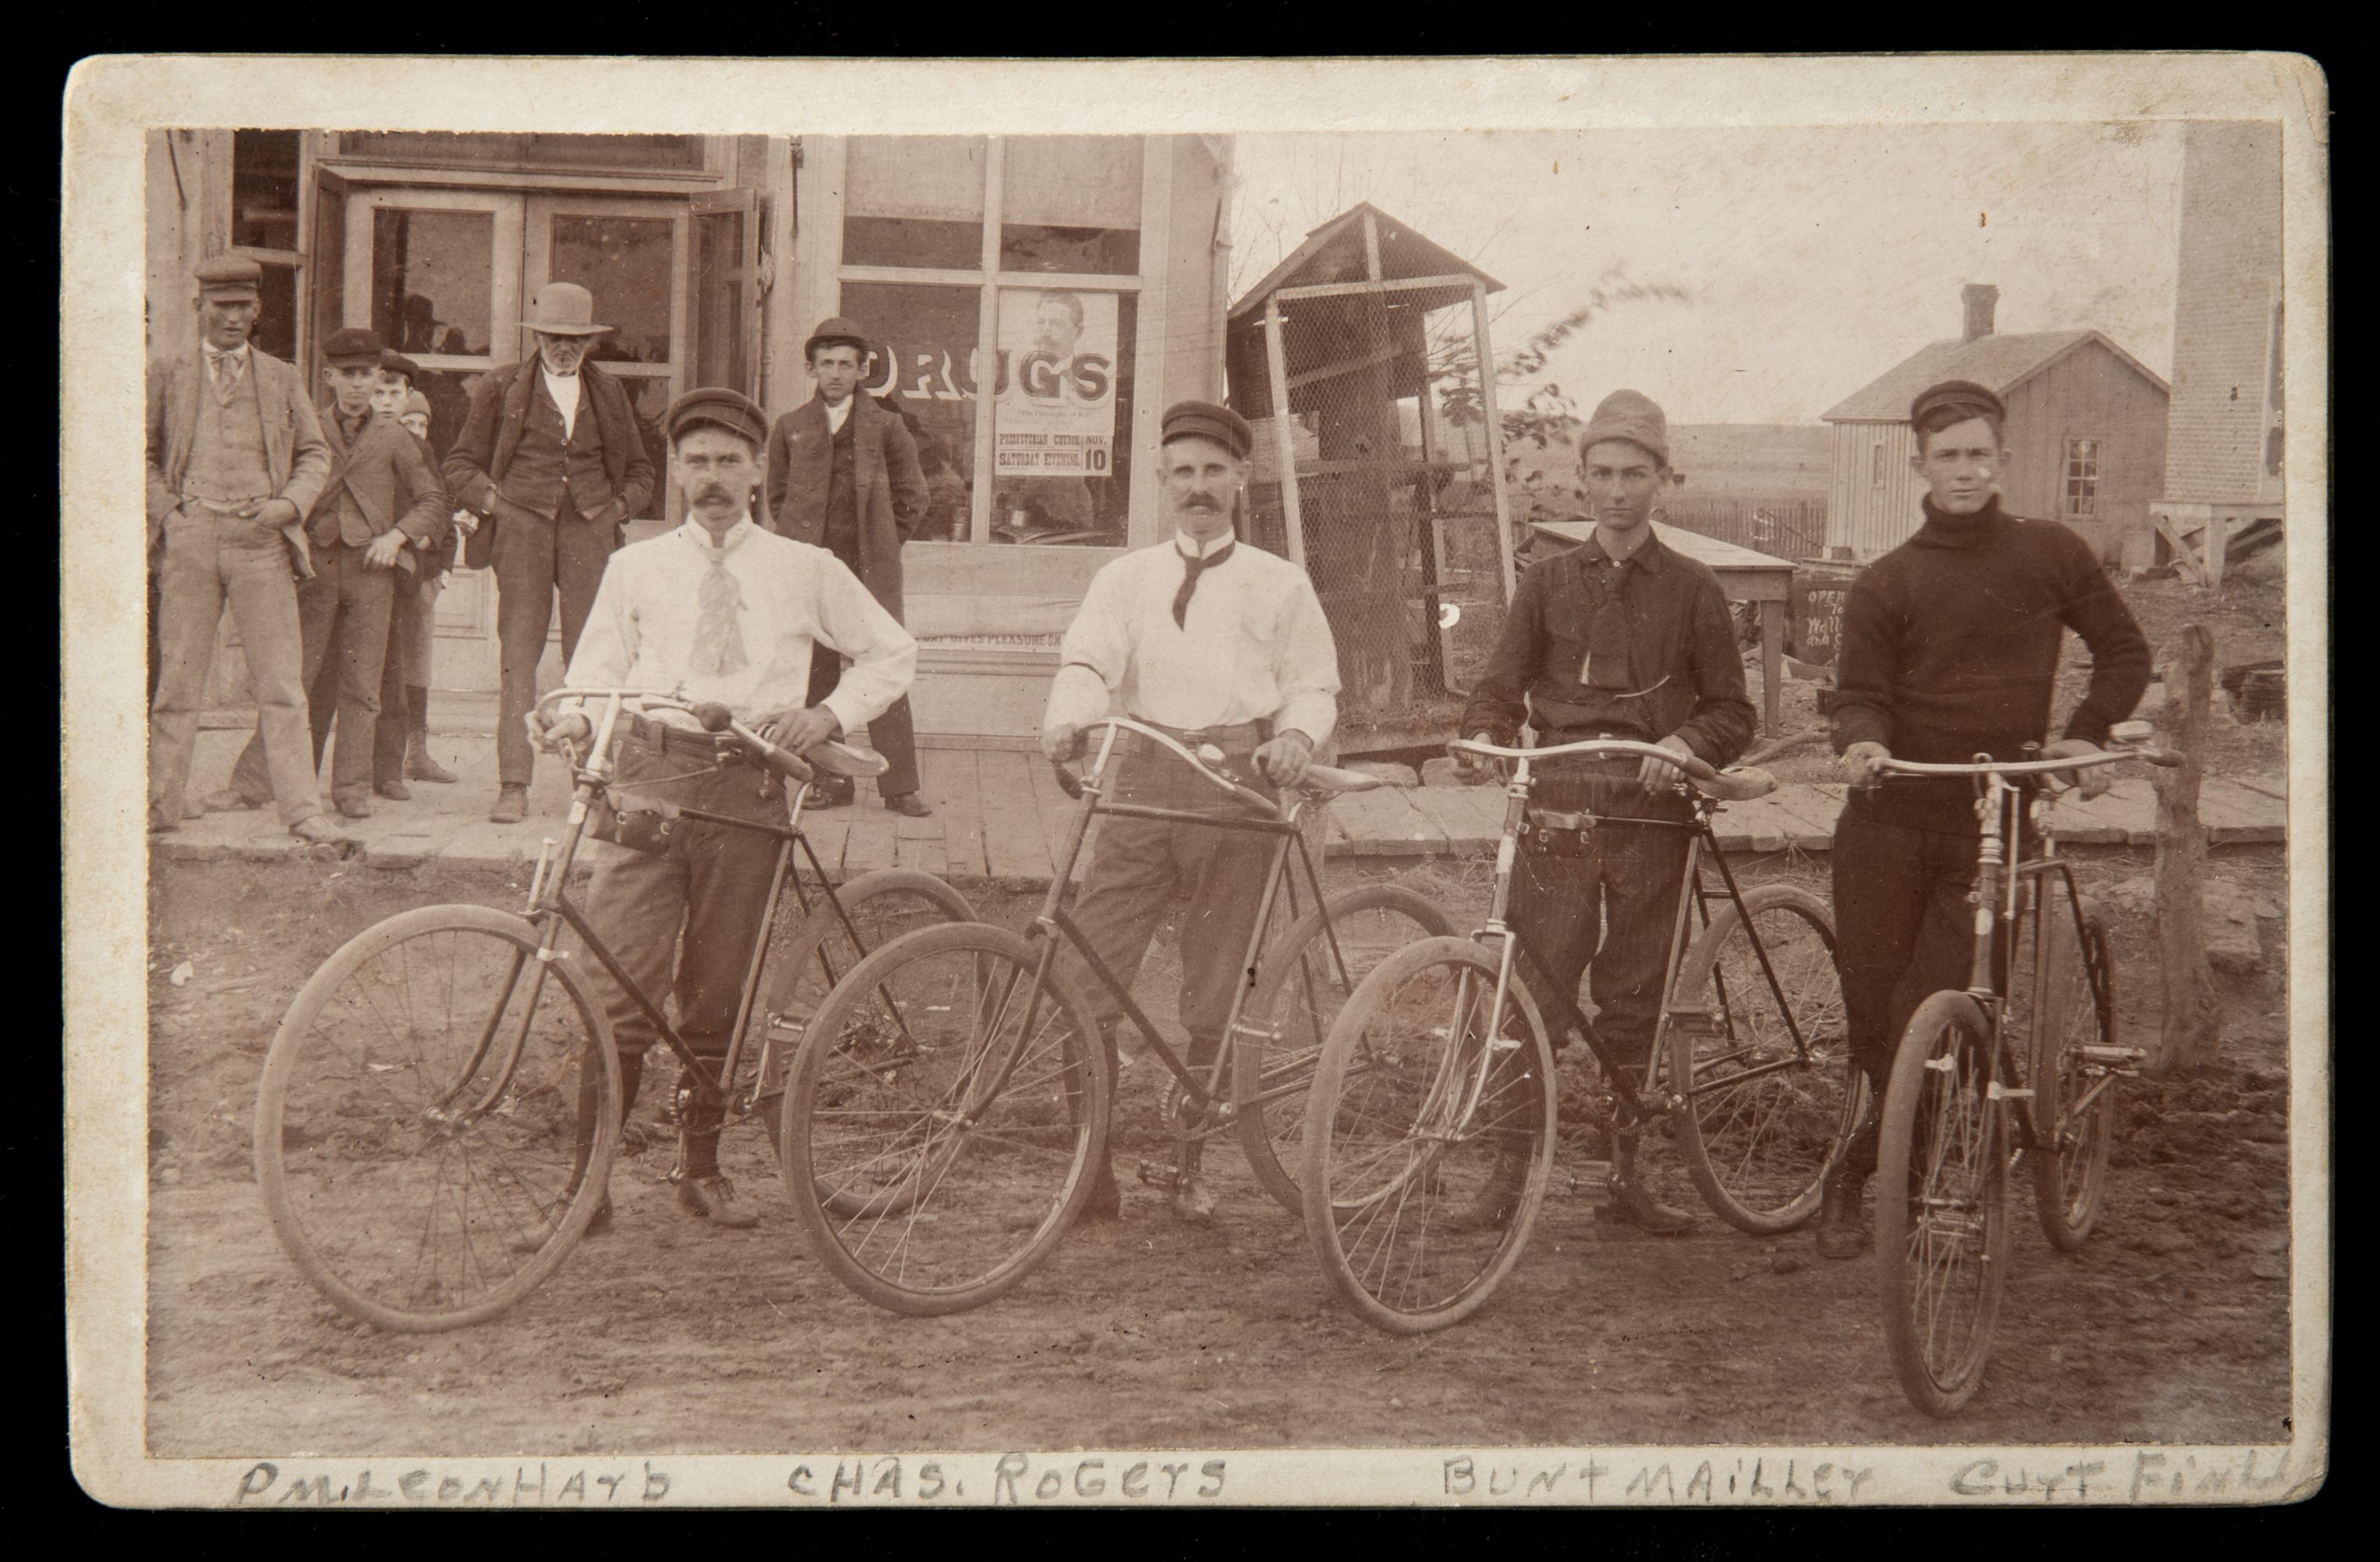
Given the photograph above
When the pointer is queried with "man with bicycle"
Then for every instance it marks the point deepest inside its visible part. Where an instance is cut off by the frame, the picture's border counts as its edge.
(1213, 642)
(1621, 637)
(1950, 649)
(723, 610)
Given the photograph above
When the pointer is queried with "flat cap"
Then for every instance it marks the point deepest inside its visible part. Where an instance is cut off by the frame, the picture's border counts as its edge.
(720, 408)
(228, 276)
(1954, 401)
(396, 362)
(1204, 420)
(836, 329)
(351, 343)
(1628, 415)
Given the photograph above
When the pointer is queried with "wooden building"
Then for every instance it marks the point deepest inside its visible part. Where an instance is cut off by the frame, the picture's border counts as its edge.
(2086, 434)
(1082, 276)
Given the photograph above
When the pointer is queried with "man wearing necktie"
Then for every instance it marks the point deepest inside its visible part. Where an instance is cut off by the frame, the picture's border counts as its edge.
(723, 610)
(1214, 641)
(1621, 637)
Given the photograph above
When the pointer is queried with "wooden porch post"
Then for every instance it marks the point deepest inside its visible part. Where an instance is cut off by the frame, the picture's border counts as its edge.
(2189, 1040)
(1293, 522)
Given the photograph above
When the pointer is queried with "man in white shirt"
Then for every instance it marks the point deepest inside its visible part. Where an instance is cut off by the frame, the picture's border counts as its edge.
(720, 609)
(1216, 642)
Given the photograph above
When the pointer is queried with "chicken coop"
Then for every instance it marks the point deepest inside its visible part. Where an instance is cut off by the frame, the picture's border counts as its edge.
(1363, 361)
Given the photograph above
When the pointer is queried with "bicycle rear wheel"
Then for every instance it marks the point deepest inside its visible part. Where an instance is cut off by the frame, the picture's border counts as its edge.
(2074, 1097)
(437, 1118)
(1429, 1137)
(1941, 1199)
(944, 1120)
(1307, 980)
(1764, 1117)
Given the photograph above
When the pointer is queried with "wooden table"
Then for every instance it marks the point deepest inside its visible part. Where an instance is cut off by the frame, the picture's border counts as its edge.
(1745, 576)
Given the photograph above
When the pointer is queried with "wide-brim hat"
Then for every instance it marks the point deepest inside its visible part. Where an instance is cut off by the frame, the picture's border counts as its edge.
(563, 309)
(838, 329)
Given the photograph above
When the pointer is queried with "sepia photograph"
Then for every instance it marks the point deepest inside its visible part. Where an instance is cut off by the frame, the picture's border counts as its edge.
(1430, 783)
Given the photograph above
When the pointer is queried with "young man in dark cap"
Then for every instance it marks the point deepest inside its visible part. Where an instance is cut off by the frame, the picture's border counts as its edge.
(1949, 650)
(1621, 637)
(722, 610)
(549, 455)
(235, 459)
(381, 500)
(404, 752)
(843, 476)
(1212, 642)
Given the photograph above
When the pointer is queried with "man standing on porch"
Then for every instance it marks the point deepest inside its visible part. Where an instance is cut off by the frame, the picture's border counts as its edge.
(843, 476)
(550, 456)
(1215, 643)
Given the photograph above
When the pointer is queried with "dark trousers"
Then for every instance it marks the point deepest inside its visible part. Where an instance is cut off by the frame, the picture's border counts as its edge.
(536, 559)
(389, 731)
(683, 920)
(1140, 866)
(343, 634)
(1615, 904)
(892, 733)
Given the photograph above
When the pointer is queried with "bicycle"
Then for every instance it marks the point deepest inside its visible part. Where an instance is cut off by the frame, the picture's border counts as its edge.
(440, 1107)
(1430, 1127)
(2046, 1039)
(965, 1043)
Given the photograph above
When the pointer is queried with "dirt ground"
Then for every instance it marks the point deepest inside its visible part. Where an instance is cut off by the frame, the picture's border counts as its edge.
(666, 1334)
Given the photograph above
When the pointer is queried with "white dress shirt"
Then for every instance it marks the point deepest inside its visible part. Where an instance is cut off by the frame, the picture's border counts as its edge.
(836, 411)
(1254, 645)
(641, 633)
(564, 388)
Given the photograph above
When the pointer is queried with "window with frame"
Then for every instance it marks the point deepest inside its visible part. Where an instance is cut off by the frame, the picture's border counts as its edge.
(2083, 463)
(265, 228)
(1876, 475)
(1012, 264)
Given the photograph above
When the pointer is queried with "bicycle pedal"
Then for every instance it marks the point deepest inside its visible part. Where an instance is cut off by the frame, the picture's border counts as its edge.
(1157, 1176)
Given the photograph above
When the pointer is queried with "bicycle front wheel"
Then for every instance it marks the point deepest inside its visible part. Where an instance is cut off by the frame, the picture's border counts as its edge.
(944, 1120)
(2074, 1096)
(1429, 1137)
(1941, 1201)
(437, 1118)
(1764, 1114)
(1308, 979)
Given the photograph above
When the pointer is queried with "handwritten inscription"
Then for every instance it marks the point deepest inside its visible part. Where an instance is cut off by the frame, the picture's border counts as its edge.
(1753, 1478)
(584, 1486)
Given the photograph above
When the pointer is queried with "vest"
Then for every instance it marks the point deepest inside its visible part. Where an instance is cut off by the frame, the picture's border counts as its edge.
(545, 471)
(843, 493)
(227, 446)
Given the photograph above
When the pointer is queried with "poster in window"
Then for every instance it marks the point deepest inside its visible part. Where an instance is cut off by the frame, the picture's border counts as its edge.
(1057, 390)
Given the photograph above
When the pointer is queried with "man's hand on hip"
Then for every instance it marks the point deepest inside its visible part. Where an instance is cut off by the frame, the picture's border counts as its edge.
(1860, 761)
(1061, 742)
(2094, 781)
(800, 730)
(1654, 775)
(1285, 758)
(271, 513)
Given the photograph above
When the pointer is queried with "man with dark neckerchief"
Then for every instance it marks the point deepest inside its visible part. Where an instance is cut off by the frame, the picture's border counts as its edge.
(1949, 650)
(550, 453)
(1621, 637)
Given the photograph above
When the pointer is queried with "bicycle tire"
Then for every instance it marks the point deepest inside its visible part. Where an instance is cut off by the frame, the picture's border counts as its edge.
(1942, 1232)
(2070, 1145)
(1428, 1149)
(1758, 1144)
(422, 1170)
(883, 904)
(909, 1073)
(1303, 990)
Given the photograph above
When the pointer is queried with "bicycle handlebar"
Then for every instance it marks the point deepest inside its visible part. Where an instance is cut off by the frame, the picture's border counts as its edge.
(833, 756)
(1319, 778)
(2165, 758)
(1739, 784)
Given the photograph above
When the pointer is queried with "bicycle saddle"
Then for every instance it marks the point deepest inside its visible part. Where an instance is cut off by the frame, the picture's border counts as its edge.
(1330, 778)
(1736, 784)
(848, 759)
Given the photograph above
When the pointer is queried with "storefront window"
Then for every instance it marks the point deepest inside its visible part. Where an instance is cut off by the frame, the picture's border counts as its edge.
(1071, 204)
(430, 278)
(720, 301)
(264, 189)
(1062, 427)
(925, 370)
(627, 264)
(915, 200)
(276, 315)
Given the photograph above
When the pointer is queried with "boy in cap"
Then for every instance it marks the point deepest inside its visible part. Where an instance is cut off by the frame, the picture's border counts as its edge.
(381, 499)
(550, 456)
(1215, 643)
(722, 610)
(1621, 637)
(1949, 650)
(843, 475)
(235, 459)
(404, 754)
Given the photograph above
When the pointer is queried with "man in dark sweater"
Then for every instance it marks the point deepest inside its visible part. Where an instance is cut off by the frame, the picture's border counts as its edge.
(1949, 650)
(1621, 637)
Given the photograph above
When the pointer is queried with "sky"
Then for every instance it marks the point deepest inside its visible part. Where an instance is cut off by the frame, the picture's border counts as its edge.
(1816, 258)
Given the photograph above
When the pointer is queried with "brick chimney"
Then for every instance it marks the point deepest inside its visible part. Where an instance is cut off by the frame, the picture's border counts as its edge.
(1981, 299)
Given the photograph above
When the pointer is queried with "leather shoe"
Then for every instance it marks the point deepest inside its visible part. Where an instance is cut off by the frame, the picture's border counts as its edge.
(394, 790)
(536, 1237)
(420, 767)
(831, 794)
(511, 806)
(908, 803)
(1193, 1203)
(1497, 1203)
(159, 824)
(1841, 1232)
(355, 807)
(228, 799)
(713, 1197)
(1105, 1203)
(1632, 1204)
(315, 830)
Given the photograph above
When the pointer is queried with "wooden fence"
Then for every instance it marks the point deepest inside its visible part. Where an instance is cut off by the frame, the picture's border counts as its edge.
(1794, 529)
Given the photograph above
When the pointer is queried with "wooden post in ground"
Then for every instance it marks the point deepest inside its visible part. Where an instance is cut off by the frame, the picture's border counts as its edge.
(2189, 1040)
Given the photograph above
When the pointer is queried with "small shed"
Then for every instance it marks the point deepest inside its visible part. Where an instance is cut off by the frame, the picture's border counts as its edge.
(1378, 466)
(2086, 434)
